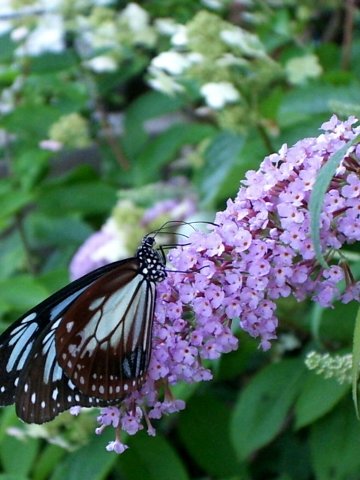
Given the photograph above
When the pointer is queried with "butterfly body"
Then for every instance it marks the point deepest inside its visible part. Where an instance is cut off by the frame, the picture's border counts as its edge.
(88, 344)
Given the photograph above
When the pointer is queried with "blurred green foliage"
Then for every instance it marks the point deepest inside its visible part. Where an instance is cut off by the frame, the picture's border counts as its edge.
(264, 416)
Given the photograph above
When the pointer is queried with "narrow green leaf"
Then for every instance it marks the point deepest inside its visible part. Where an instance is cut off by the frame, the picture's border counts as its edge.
(318, 396)
(220, 158)
(46, 463)
(263, 405)
(356, 363)
(322, 183)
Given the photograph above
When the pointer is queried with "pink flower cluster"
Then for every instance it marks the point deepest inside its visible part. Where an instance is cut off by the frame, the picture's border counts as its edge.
(259, 251)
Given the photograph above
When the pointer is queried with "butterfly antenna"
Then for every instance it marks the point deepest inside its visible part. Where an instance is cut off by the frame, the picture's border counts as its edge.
(180, 222)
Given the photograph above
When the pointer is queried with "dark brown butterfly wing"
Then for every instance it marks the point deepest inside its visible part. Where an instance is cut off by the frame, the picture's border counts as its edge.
(87, 344)
(44, 390)
(30, 375)
(103, 340)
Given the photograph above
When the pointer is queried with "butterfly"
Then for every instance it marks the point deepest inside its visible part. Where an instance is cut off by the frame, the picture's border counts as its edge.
(89, 344)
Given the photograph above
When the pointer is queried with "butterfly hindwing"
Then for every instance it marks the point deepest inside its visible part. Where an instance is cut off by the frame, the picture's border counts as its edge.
(44, 391)
(106, 351)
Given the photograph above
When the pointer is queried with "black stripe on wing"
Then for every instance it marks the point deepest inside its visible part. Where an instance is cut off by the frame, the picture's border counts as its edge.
(17, 342)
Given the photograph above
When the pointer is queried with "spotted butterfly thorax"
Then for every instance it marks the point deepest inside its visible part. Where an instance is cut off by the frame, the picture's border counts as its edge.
(89, 344)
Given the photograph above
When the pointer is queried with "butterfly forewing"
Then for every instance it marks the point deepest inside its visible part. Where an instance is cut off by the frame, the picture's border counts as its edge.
(88, 344)
(103, 340)
(15, 348)
(19, 342)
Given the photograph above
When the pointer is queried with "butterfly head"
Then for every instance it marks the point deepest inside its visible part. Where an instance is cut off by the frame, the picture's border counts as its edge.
(151, 262)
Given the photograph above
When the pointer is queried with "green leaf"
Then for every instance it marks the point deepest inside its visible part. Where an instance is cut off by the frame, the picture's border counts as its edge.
(356, 362)
(17, 456)
(152, 458)
(21, 121)
(318, 396)
(162, 149)
(204, 431)
(334, 444)
(7, 419)
(91, 462)
(263, 405)
(249, 158)
(12, 255)
(85, 198)
(30, 166)
(6, 476)
(49, 62)
(328, 322)
(220, 157)
(45, 230)
(12, 201)
(7, 48)
(321, 186)
(238, 361)
(21, 292)
(50, 456)
(303, 103)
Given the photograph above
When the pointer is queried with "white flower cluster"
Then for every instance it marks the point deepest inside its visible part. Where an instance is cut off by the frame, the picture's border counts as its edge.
(331, 366)
(101, 33)
(171, 70)
(103, 36)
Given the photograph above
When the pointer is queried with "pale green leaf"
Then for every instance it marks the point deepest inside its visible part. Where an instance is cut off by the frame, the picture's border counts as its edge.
(321, 186)
(356, 362)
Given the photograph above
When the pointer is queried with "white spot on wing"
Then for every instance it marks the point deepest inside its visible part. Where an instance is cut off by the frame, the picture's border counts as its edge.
(96, 303)
(71, 385)
(29, 318)
(57, 373)
(69, 326)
